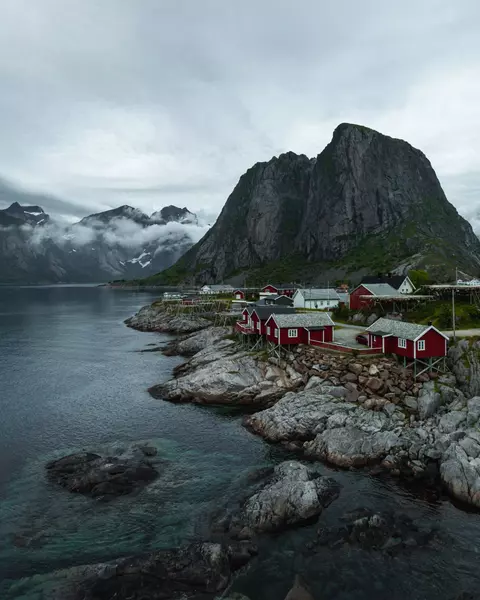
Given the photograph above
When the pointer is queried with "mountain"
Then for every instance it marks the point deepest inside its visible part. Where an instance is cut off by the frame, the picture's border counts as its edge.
(98, 220)
(366, 203)
(122, 243)
(172, 213)
(16, 214)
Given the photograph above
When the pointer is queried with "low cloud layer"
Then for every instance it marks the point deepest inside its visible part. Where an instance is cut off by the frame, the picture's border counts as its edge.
(152, 103)
(119, 232)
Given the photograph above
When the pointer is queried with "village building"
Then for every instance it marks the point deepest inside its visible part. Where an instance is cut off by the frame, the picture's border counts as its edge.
(425, 345)
(239, 294)
(400, 283)
(259, 316)
(286, 329)
(272, 300)
(363, 295)
(172, 296)
(284, 289)
(214, 289)
(318, 298)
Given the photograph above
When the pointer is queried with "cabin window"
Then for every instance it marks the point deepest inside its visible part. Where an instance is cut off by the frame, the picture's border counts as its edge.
(292, 333)
(268, 330)
(258, 325)
(421, 345)
(402, 343)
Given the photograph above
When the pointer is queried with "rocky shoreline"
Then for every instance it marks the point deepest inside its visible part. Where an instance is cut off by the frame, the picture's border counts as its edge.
(344, 411)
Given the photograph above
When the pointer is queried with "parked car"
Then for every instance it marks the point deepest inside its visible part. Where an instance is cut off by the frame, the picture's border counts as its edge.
(362, 339)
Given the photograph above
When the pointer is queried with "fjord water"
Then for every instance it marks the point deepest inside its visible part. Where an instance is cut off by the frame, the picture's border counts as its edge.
(72, 377)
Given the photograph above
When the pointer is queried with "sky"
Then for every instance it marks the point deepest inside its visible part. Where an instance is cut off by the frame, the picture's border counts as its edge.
(158, 102)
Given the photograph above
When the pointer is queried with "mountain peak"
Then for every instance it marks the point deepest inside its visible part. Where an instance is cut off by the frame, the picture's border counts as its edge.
(173, 213)
(368, 201)
(30, 215)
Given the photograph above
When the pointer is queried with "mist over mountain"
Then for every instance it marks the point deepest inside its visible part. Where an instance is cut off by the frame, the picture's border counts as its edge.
(121, 243)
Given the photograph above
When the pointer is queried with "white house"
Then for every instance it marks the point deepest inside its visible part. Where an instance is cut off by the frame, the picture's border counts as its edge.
(325, 298)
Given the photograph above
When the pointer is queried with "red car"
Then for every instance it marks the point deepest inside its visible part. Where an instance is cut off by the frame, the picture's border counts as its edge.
(362, 339)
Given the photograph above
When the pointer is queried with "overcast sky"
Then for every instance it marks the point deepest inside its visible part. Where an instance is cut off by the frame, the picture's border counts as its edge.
(156, 102)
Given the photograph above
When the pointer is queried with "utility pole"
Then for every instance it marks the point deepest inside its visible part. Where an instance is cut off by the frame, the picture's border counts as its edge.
(453, 315)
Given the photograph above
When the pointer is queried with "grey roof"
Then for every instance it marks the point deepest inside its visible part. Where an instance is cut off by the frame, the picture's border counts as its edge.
(319, 294)
(265, 311)
(317, 319)
(381, 289)
(395, 281)
(401, 329)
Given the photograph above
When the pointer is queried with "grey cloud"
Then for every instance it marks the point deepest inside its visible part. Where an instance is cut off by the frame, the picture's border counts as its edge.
(171, 101)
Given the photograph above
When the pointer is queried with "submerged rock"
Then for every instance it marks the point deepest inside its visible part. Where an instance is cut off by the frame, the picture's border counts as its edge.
(101, 477)
(292, 494)
(299, 590)
(370, 530)
(199, 570)
(153, 318)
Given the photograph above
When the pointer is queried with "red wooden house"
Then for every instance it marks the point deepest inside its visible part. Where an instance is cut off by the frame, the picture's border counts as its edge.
(284, 289)
(261, 314)
(284, 329)
(239, 294)
(254, 318)
(410, 340)
(363, 294)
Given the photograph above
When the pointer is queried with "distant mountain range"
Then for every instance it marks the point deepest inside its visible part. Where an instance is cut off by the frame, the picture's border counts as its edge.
(367, 203)
(123, 243)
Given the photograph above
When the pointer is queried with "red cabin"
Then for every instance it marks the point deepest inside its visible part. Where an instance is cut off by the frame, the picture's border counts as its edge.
(362, 296)
(254, 318)
(285, 289)
(410, 340)
(239, 294)
(261, 314)
(284, 329)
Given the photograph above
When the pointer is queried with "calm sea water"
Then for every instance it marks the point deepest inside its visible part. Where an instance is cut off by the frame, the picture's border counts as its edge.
(72, 376)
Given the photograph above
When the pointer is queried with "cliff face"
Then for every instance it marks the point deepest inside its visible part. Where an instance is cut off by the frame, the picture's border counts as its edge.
(366, 201)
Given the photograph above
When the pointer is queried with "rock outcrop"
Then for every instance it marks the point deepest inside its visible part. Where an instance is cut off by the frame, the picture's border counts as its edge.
(294, 494)
(442, 443)
(191, 344)
(102, 477)
(367, 200)
(464, 361)
(221, 374)
(154, 318)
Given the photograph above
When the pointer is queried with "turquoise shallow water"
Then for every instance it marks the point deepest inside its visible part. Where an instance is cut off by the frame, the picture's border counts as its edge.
(72, 377)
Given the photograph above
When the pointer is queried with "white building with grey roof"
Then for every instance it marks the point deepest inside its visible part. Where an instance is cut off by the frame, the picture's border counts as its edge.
(316, 298)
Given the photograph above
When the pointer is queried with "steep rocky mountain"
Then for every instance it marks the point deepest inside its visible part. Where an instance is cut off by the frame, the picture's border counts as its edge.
(122, 243)
(367, 203)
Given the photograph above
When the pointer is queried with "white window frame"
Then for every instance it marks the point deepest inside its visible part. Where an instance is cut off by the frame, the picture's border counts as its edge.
(402, 343)
(276, 333)
(421, 345)
(268, 330)
(293, 333)
(259, 325)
